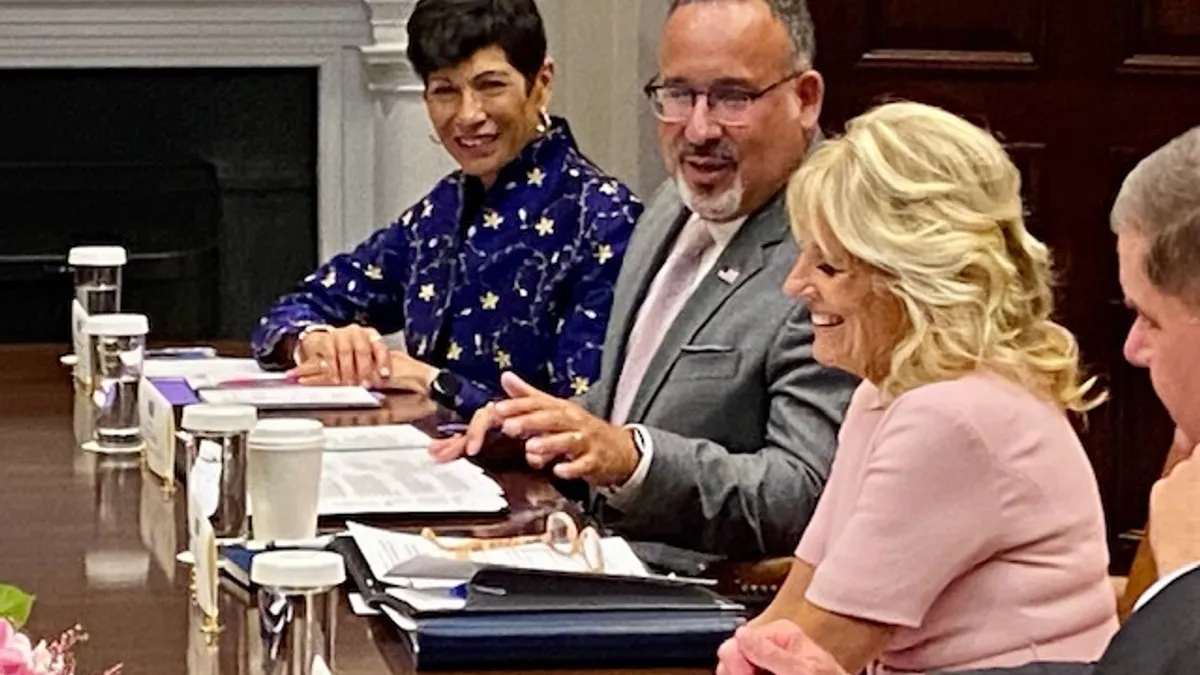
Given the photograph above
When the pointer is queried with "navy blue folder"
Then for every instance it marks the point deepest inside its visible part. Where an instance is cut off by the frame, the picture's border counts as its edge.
(529, 618)
(641, 639)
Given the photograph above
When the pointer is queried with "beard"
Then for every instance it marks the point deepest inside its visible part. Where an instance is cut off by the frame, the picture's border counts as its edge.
(717, 206)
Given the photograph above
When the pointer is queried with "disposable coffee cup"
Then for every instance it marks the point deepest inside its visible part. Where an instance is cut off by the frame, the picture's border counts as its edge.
(284, 476)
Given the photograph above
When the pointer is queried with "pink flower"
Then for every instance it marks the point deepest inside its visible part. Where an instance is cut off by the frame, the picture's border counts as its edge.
(16, 652)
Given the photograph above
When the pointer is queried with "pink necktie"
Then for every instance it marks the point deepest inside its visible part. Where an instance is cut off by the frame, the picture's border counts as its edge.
(669, 290)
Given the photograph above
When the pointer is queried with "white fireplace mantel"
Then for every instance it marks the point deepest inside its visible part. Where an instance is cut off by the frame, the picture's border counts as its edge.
(374, 155)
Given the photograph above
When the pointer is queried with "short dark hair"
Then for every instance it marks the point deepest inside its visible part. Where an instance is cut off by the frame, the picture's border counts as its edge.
(796, 20)
(445, 33)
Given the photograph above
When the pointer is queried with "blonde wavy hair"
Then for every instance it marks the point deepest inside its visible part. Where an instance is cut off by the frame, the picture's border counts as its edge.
(931, 204)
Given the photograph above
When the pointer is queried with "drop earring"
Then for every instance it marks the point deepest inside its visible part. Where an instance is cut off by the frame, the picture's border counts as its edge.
(544, 123)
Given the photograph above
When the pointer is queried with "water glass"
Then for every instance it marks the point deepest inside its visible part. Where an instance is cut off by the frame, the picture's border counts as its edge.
(117, 349)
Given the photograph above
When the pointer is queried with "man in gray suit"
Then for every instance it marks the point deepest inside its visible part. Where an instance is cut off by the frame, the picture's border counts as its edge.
(712, 428)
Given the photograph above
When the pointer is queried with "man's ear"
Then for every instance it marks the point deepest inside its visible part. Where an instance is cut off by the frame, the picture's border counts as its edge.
(810, 88)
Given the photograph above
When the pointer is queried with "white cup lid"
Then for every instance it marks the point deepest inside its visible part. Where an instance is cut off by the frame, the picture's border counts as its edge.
(116, 324)
(297, 569)
(97, 256)
(284, 433)
(219, 418)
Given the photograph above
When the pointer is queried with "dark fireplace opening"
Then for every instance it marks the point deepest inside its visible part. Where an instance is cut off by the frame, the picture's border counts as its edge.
(207, 176)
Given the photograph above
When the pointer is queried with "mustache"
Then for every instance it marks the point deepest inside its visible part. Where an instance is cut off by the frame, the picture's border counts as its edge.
(718, 151)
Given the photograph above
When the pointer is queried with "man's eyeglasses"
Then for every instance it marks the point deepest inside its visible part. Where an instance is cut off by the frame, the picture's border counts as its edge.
(727, 104)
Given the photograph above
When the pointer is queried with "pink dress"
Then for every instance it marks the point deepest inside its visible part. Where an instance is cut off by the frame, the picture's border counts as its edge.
(967, 514)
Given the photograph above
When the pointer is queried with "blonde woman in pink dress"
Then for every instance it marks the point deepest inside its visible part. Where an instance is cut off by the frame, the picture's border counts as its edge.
(961, 526)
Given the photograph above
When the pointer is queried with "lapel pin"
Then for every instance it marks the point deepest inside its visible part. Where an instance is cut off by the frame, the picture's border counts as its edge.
(728, 275)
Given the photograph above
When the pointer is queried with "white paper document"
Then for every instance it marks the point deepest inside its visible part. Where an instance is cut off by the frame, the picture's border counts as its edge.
(409, 560)
(428, 599)
(293, 397)
(232, 380)
(389, 481)
(359, 606)
(381, 437)
(384, 549)
(202, 373)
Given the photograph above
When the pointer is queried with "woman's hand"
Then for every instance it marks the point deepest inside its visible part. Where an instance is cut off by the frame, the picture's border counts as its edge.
(409, 374)
(780, 647)
(350, 355)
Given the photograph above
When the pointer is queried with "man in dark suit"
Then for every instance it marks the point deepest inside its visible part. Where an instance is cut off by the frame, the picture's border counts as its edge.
(712, 429)
(1156, 217)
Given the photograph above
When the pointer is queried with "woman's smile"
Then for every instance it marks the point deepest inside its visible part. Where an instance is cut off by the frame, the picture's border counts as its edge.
(826, 320)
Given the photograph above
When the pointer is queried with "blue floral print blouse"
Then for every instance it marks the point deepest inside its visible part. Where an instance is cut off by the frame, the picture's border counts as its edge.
(516, 277)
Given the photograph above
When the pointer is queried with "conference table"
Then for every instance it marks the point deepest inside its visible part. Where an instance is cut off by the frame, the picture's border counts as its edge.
(95, 537)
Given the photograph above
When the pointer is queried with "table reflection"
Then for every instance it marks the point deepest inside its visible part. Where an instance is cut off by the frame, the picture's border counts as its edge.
(157, 526)
(252, 639)
(235, 649)
(115, 557)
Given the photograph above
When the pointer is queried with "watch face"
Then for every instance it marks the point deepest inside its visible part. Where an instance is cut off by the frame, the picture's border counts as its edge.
(446, 383)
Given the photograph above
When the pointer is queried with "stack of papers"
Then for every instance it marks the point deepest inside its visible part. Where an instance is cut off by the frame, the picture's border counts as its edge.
(241, 381)
(532, 604)
(424, 575)
(409, 560)
(207, 373)
(392, 482)
(381, 437)
(293, 397)
(383, 482)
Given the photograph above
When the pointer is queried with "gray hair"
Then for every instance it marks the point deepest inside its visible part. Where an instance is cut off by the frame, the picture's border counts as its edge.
(796, 20)
(1160, 200)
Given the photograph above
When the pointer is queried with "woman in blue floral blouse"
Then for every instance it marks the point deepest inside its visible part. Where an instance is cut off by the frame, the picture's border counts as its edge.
(507, 264)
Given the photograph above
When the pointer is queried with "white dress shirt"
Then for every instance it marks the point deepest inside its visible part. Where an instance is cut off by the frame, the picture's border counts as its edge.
(722, 234)
(1162, 583)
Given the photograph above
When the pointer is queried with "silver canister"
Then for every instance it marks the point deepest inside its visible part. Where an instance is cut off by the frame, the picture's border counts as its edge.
(97, 272)
(117, 345)
(215, 442)
(297, 605)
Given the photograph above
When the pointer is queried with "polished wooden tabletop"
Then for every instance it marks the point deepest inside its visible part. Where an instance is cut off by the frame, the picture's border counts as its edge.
(95, 539)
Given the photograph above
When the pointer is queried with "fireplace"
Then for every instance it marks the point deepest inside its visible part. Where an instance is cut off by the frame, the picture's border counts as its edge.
(207, 177)
(229, 144)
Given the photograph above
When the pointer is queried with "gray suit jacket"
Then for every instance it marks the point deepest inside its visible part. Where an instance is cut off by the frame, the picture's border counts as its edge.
(744, 422)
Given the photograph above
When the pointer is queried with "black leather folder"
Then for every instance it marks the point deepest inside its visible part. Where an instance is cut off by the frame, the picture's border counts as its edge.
(529, 618)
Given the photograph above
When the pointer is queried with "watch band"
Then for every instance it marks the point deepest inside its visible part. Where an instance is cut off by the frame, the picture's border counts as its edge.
(444, 389)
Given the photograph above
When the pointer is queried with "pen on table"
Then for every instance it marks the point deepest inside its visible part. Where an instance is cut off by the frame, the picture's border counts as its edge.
(452, 428)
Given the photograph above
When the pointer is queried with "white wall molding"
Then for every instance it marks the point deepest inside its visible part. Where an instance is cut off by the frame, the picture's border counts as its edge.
(388, 69)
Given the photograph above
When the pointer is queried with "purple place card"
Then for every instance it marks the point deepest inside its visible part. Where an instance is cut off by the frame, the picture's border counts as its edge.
(176, 390)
